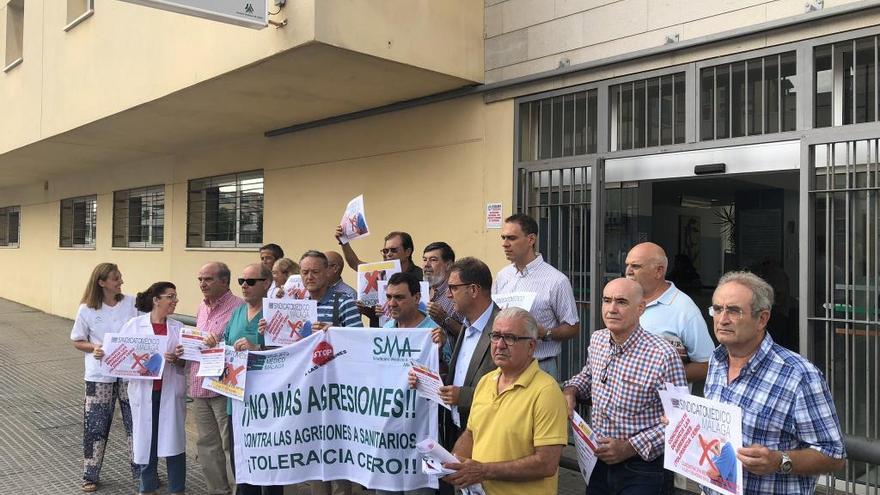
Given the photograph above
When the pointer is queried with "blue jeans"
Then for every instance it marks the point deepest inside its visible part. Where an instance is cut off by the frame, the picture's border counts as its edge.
(176, 464)
(550, 367)
(633, 476)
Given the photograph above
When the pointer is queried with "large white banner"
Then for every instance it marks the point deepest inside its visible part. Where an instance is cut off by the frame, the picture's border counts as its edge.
(336, 405)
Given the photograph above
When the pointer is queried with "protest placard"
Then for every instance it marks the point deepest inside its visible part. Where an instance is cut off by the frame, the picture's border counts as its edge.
(354, 221)
(336, 405)
(369, 276)
(522, 300)
(429, 384)
(193, 342)
(294, 288)
(212, 361)
(425, 298)
(585, 442)
(135, 357)
(701, 440)
(288, 320)
(231, 381)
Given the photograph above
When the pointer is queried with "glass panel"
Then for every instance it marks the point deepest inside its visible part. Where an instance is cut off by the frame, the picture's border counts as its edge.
(722, 102)
(771, 94)
(846, 56)
(707, 104)
(592, 120)
(640, 125)
(14, 226)
(789, 93)
(556, 136)
(568, 125)
(653, 112)
(755, 97)
(626, 117)
(738, 99)
(824, 84)
(527, 132)
(666, 110)
(679, 109)
(865, 80)
(544, 135)
(580, 124)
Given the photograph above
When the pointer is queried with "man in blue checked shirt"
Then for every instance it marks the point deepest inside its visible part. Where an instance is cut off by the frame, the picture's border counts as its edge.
(626, 367)
(789, 421)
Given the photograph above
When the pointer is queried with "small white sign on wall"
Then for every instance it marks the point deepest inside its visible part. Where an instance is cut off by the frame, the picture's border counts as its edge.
(494, 216)
(247, 13)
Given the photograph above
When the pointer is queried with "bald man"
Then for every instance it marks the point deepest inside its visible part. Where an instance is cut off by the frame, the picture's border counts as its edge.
(669, 312)
(626, 366)
(335, 264)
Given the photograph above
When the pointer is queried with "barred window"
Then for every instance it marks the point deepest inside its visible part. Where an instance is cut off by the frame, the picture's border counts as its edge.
(78, 222)
(749, 97)
(648, 112)
(558, 126)
(10, 226)
(845, 79)
(226, 211)
(139, 217)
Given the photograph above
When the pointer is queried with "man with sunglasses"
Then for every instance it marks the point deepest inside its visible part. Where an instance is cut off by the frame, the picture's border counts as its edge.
(790, 426)
(626, 368)
(517, 426)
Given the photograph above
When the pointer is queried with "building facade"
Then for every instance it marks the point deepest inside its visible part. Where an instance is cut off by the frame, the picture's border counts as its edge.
(735, 134)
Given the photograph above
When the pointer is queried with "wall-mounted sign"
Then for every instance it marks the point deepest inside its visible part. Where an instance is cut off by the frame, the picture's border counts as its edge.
(247, 13)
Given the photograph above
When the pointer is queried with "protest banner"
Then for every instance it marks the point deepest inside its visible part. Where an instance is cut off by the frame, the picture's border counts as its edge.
(369, 276)
(425, 298)
(354, 221)
(336, 405)
(135, 357)
(288, 320)
(701, 440)
(231, 382)
(193, 342)
(585, 442)
(522, 300)
(294, 288)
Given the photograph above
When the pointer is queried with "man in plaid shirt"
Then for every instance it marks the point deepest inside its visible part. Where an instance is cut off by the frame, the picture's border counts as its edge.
(625, 369)
(790, 425)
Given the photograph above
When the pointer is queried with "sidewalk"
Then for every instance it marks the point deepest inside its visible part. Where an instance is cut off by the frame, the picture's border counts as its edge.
(41, 413)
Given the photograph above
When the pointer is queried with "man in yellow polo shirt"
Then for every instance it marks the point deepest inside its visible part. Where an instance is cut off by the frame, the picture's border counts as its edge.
(519, 419)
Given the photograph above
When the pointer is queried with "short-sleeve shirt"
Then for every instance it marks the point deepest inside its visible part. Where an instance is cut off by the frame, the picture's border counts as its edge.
(508, 426)
(239, 326)
(90, 325)
(676, 318)
(343, 288)
(345, 307)
(211, 320)
(427, 322)
(554, 303)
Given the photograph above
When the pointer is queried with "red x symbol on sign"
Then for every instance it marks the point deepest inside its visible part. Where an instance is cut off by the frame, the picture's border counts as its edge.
(139, 360)
(231, 375)
(295, 327)
(372, 279)
(353, 222)
(707, 446)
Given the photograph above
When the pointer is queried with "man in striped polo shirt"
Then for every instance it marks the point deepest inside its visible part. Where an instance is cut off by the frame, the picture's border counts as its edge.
(554, 307)
(334, 308)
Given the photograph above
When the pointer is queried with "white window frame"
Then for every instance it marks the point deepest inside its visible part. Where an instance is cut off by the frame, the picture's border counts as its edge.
(252, 177)
(11, 32)
(154, 199)
(89, 10)
(4, 219)
(91, 222)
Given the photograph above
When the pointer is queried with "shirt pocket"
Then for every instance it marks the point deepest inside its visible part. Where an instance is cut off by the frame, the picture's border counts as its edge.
(633, 393)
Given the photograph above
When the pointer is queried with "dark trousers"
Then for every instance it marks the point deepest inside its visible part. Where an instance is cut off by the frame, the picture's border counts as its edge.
(243, 488)
(633, 476)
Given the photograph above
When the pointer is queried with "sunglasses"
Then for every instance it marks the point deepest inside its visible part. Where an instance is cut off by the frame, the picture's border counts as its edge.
(387, 251)
(250, 281)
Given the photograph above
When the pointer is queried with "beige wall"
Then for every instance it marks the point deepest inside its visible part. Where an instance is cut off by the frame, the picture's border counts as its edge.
(428, 170)
(530, 36)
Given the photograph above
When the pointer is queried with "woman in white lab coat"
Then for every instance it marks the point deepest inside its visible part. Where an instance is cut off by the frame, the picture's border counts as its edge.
(159, 406)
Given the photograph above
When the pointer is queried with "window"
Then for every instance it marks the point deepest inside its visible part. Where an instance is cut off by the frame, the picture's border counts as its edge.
(78, 222)
(14, 33)
(10, 226)
(750, 97)
(78, 11)
(226, 211)
(648, 112)
(558, 126)
(846, 80)
(139, 217)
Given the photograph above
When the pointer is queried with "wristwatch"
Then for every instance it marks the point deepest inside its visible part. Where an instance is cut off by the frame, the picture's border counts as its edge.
(785, 465)
(547, 336)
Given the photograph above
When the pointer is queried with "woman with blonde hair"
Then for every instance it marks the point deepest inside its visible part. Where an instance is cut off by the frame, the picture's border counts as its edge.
(103, 309)
(281, 271)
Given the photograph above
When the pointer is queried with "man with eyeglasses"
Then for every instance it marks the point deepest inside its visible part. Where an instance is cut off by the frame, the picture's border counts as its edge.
(790, 425)
(669, 312)
(626, 368)
(209, 407)
(554, 306)
(398, 246)
(437, 260)
(517, 426)
(335, 264)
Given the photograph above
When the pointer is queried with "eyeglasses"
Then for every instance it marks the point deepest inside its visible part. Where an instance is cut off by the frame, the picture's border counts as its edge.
(603, 376)
(387, 251)
(170, 297)
(734, 312)
(250, 281)
(508, 338)
(453, 286)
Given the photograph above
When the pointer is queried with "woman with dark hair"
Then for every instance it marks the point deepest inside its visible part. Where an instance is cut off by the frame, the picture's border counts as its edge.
(103, 309)
(159, 406)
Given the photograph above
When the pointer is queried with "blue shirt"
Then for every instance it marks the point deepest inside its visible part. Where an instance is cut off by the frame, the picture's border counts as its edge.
(472, 334)
(786, 406)
(676, 318)
(427, 322)
(343, 288)
(346, 308)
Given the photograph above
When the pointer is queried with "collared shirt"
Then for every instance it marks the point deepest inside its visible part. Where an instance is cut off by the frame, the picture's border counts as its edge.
(554, 303)
(346, 309)
(676, 318)
(786, 405)
(509, 425)
(211, 319)
(240, 326)
(343, 288)
(623, 381)
(472, 334)
(440, 295)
